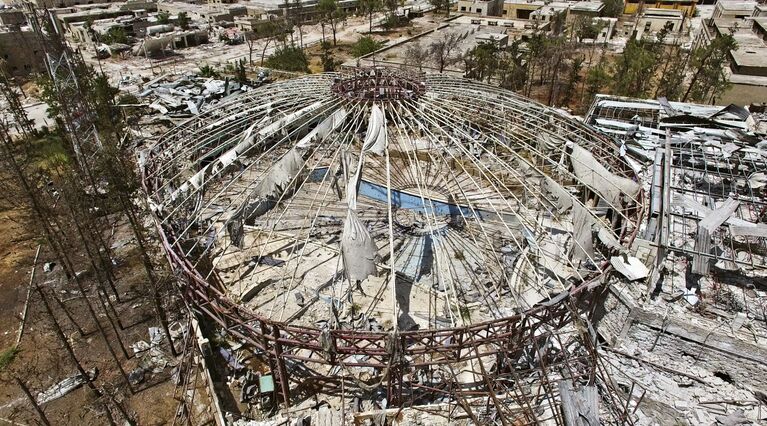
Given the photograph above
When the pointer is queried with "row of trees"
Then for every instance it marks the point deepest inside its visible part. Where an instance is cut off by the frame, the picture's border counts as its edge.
(562, 70)
(76, 192)
(651, 67)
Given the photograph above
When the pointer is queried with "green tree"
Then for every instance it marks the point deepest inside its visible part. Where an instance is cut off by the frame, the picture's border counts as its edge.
(115, 35)
(392, 20)
(365, 45)
(672, 64)
(613, 8)
(671, 81)
(297, 11)
(585, 27)
(331, 15)
(208, 71)
(441, 5)
(573, 78)
(163, 18)
(329, 63)
(597, 78)
(369, 7)
(416, 55)
(289, 58)
(536, 48)
(239, 72)
(633, 71)
(708, 80)
(512, 67)
(271, 31)
(481, 62)
(183, 20)
(88, 25)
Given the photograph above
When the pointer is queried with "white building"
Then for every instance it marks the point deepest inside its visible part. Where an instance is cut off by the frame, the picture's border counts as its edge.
(653, 20)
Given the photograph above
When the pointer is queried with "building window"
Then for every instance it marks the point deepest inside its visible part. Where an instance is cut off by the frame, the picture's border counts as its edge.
(647, 26)
(479, 10)
(463, 8)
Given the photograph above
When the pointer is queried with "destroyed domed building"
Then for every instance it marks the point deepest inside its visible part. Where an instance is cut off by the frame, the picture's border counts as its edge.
(407, 240)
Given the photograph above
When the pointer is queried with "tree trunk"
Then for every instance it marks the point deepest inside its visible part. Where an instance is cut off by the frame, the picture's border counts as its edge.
(696, 76)
(263, 52)
(554, 79)
(64, 341)
(156, 300)
(32, 401)
(300, 37)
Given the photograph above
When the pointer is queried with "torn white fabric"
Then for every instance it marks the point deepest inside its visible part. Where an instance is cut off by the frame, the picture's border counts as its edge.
(757, 180)
(692, 205)
(351, 190)
(548, 143)
(608, 185)
(706, 227)
(280, 175)
(357, 248)
(609, 239)
(563, 200)
(375, 138)
(325, 128)
(717, 217)
(583, 246)
(198, 179)
(228, 158)
(331, 123)
(758, 230)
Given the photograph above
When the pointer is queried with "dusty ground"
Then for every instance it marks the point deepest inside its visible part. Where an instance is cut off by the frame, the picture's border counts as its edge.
(41, 361)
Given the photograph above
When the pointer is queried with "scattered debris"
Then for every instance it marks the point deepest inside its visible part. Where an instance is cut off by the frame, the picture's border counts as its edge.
(65, 386)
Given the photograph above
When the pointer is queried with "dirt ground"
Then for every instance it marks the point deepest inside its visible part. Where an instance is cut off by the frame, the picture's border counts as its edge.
(41, 360)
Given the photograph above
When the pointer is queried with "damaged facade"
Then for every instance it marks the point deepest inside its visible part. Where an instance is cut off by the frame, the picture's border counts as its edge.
(694, 328)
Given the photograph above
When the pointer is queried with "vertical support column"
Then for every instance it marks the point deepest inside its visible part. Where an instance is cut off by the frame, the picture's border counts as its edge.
(283, 372)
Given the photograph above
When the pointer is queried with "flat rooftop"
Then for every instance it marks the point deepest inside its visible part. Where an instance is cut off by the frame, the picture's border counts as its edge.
(752, 51)
(528, 2)
(587, 6)
(666, 13)
(736, 5)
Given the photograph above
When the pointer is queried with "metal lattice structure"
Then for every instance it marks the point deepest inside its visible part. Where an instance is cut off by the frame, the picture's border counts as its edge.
(424, 236)
(64, 66)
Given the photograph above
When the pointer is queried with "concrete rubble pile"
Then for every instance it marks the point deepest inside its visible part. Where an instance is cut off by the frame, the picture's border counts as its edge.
(189, 95)
(689, 333)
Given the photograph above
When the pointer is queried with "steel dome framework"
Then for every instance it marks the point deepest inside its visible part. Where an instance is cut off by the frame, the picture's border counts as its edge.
(427, 236)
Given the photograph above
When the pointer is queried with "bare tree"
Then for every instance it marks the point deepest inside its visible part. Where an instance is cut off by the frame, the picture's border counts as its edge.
(369, 7)
(444, 50)
(250, 39)
(416, 55)
(297, 10)
(441, 4)
(331, 15)
(272, 30)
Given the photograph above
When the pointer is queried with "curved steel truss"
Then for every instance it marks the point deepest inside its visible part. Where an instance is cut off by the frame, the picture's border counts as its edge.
(426, 235)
